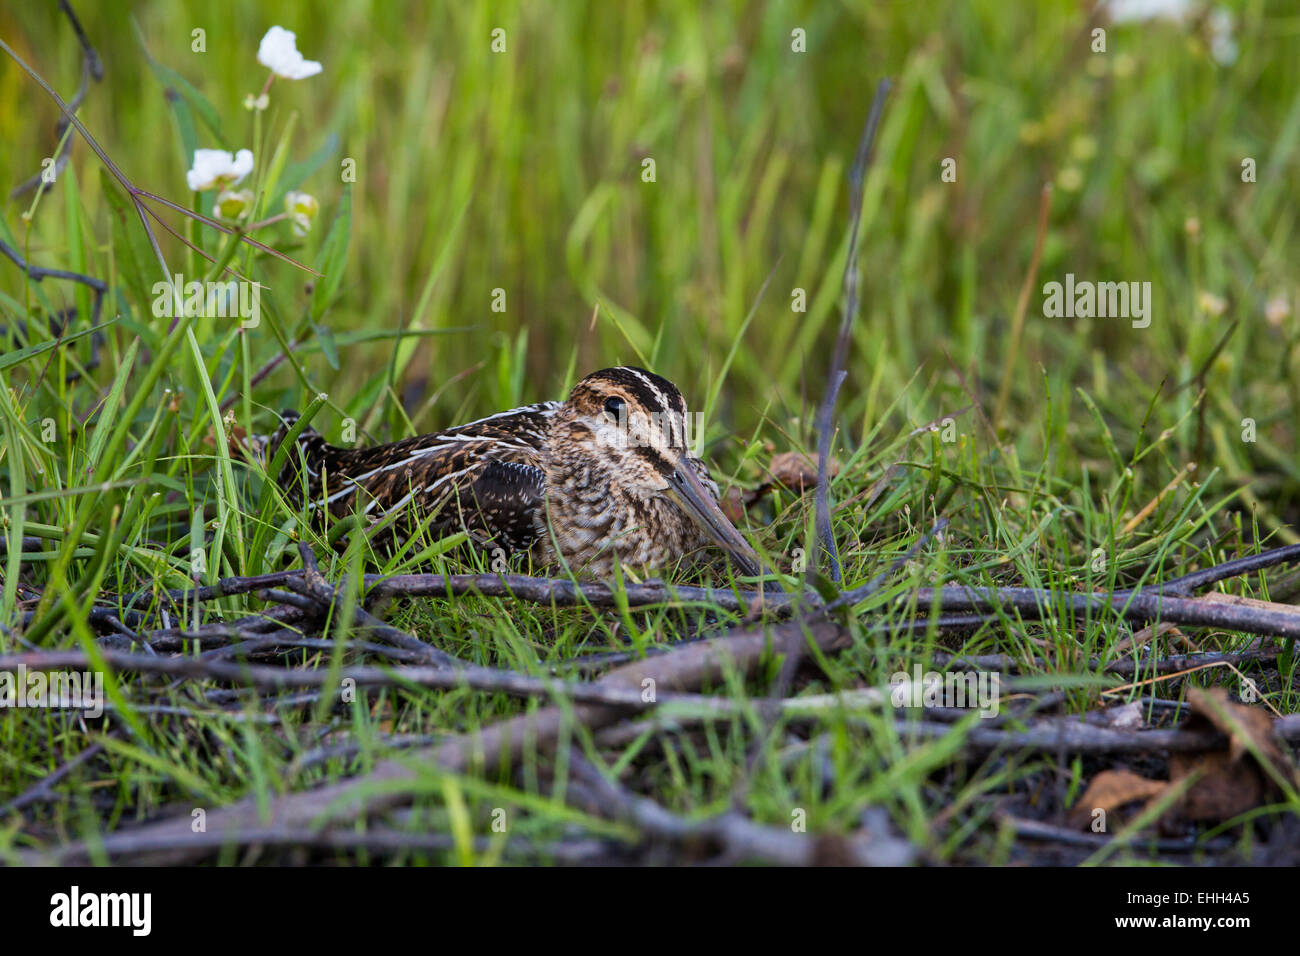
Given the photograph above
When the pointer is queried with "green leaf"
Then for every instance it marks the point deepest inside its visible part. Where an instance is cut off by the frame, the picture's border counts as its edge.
(267, 185)
(104, 422)
(17, 514)
(333, 257)
(77, 258)
(169, 78)
(329, 348)
(184, 126)
(18, 356)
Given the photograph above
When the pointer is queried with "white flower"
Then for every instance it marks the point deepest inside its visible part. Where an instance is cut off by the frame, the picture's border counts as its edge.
(1277, 309)
(234, 205)
(216, 167)
(279, 53)
(301, 209)
(1129, 11)
(1222, 45)
(1211, 304)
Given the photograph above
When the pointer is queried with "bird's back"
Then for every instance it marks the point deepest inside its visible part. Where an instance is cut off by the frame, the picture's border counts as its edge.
(483, 476)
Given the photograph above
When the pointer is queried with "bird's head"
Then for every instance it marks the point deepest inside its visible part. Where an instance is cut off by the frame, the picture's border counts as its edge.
(637, 424)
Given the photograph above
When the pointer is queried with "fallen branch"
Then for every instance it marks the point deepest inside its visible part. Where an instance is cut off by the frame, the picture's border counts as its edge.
(1034, 603)
(1070, 735)
(484, 679)
(484, 750)
(376, 840)
(1045, 832)
(738, 838)
(1123, 667)
(1164, 601)
(313, 586)
(560, 592)
(44, 788)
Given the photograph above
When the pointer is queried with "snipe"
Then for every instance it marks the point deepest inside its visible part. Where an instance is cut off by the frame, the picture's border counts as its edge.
(603, 477)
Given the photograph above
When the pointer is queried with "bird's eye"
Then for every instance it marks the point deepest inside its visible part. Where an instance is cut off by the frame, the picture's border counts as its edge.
(614, 407)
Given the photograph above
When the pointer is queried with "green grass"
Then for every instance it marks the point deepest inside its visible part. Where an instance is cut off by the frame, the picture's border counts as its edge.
(522, 171)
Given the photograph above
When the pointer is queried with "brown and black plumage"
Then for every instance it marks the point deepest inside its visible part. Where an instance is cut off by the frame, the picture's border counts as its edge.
(603, 477)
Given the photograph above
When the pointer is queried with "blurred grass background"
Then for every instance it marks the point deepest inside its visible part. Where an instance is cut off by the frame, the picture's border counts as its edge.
(522, 171)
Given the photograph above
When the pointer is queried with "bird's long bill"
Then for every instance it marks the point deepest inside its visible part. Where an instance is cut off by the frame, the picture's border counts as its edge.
(693, 498)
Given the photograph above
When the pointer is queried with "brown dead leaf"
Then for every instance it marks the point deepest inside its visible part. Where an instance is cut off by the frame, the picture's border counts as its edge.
(1241, 723)
(235, 435)
(1138, 638)
(1112, 789)
(790, 469)
(242, 446)
(1224, 789)
(797, 471)
(1231, 781)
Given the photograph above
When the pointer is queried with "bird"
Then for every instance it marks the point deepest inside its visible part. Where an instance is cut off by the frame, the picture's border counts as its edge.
(603, 480)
